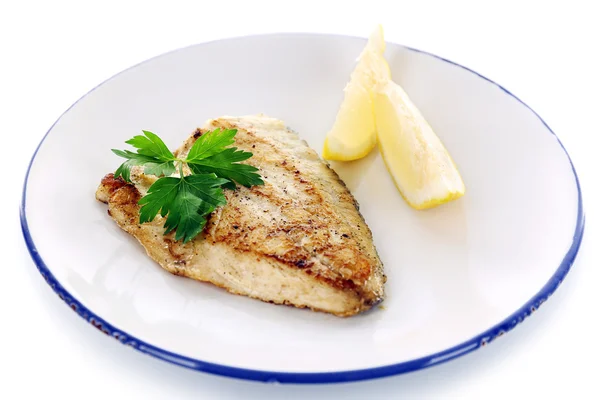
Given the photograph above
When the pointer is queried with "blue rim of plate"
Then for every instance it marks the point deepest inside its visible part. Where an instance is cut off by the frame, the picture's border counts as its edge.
(461, 349)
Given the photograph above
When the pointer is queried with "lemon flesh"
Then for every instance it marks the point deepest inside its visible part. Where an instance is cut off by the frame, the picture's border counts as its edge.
(418, 162)
(353, 133)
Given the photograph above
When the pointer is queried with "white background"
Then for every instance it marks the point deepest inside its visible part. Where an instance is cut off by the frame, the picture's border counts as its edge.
(54, 52)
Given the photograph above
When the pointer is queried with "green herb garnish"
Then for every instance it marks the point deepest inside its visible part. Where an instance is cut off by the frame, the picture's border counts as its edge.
(185, 201)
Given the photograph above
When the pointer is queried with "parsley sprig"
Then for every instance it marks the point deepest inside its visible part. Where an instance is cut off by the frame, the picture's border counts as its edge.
(186, 200)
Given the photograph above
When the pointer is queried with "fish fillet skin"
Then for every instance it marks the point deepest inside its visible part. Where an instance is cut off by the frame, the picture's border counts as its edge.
(299, 239)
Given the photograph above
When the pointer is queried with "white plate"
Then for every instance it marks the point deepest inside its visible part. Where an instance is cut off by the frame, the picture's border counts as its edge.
(458, 276)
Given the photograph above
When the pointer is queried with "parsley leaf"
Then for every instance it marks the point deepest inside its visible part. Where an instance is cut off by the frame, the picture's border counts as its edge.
(152, 166)
(152, 153)
(160, 196)
(207, 187)
(186, 201)
(210, 155)
(224, 166)
(211, 143)
(151, 145)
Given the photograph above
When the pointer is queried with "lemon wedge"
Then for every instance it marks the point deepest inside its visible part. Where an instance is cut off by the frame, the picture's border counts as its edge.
(418, 162)
(353, 133)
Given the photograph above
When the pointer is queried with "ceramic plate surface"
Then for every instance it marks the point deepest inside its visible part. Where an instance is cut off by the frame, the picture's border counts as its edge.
(458, 275)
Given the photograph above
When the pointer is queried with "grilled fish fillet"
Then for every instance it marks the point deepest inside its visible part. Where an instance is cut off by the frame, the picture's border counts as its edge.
(298, 240)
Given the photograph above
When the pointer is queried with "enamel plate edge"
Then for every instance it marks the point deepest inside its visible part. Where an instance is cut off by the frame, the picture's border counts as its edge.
(321, 377)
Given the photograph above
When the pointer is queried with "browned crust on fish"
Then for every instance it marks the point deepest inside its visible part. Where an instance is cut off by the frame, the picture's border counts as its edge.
(303, 221)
